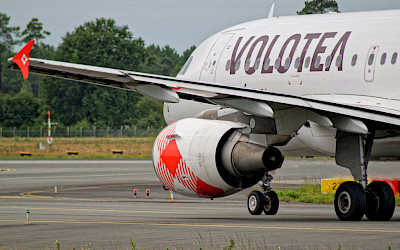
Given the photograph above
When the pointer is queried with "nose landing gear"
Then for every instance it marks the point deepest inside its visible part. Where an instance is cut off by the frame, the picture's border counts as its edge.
(266, 201)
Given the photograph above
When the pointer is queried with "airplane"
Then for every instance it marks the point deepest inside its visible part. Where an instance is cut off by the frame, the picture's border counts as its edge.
(254, 93)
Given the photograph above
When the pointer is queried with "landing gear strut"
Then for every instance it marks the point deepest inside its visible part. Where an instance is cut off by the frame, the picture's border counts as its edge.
(266, 201)
(354, 200)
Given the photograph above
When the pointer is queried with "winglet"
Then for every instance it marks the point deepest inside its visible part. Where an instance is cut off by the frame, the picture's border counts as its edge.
(22, 59)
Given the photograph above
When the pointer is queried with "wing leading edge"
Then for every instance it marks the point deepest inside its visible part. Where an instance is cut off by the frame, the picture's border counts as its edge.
(170, 89)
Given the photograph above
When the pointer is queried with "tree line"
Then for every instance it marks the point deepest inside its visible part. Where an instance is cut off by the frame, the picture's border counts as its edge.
(101, 42)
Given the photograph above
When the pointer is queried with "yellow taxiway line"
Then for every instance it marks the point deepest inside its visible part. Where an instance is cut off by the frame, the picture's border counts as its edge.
(7, 170)
(209, 225)
(162, 212)
(123, 211)
(31, 194)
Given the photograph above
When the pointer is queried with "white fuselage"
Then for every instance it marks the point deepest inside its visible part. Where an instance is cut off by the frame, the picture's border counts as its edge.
(343, 58)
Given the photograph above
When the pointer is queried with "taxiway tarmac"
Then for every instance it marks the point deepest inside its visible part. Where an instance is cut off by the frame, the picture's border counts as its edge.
(94, 208)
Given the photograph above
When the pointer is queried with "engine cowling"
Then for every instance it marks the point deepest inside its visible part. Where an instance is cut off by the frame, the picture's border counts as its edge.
(209, 158)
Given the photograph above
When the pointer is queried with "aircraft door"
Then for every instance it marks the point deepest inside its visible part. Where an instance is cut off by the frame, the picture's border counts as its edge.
(370, 64)
(210, 65)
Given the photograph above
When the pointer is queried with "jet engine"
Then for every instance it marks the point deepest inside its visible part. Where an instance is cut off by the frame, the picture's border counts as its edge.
(209, 158)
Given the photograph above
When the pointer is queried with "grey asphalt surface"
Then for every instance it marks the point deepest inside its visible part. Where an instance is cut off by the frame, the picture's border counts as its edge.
(95, 209)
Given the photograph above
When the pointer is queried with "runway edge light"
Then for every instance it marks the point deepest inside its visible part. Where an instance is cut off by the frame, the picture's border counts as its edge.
(28, 217)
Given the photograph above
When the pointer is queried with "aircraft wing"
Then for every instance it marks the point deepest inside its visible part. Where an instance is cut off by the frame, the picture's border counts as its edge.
(253, 101)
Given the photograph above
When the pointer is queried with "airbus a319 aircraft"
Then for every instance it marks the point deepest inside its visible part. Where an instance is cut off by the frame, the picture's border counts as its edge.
(315, 85)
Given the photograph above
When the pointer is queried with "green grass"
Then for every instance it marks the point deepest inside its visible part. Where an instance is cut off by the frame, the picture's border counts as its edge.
(307, 193)
(310, 193)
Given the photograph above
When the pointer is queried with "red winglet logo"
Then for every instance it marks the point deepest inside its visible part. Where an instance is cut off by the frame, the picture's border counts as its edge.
(22, 59)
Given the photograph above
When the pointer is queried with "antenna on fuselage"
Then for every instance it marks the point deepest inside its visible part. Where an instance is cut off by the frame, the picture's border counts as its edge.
(271, 11)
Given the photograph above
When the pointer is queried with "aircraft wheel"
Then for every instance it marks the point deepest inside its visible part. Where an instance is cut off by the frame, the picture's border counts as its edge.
(271, 203)
(350, 201)
(255, 202)
(380, 201)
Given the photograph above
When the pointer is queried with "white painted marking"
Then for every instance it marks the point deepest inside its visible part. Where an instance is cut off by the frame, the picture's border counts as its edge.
(24, 59)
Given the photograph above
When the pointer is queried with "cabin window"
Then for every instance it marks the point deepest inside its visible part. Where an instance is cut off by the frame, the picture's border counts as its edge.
(308, 60)
(287, 63)
(277, 62)
(214, 63)
(257, 64)
(186, 66)
(247, 65)
(237, 65)
(339, 60)
(328, 61)
(371, 59)
(228, 65)
(354, 60)
(266, 63)
(394, 58)
(297, 63)
(383, 58)
(317, 61)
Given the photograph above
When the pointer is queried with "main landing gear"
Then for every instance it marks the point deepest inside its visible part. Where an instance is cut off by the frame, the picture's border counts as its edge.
(266, 201)
(353, 200)
(376, 201)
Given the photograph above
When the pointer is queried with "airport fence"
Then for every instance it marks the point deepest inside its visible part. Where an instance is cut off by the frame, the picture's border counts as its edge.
(94, 132)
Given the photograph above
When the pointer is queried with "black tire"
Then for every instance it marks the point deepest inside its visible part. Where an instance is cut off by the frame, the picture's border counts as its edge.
(380, 201)
(350, 201)
(271, 203)
(255, 202)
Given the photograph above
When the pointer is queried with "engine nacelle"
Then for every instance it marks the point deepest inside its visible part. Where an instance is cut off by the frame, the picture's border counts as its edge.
(209, 158)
